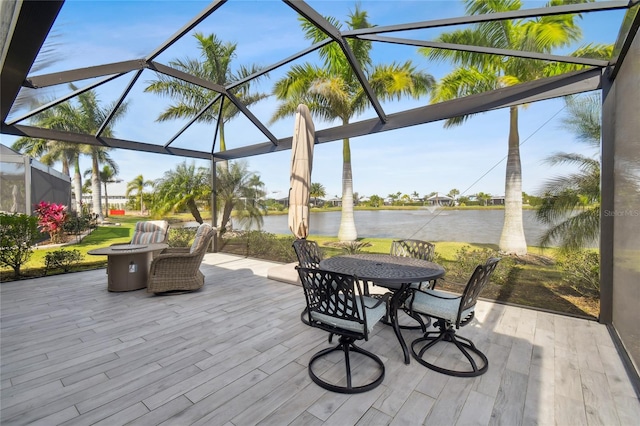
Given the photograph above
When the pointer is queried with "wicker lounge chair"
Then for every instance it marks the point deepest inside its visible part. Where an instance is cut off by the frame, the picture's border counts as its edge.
(177, 269)
(149, 232)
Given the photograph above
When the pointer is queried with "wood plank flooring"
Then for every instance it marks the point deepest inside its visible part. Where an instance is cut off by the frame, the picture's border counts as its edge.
(236, 353)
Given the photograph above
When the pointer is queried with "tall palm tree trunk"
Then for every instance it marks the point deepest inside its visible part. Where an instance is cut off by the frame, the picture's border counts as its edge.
(225, 211)
(106, 201)
(193, 208)
(512, 240)
(96, 188)
(347, 231)
(223, 147)
(77, 185)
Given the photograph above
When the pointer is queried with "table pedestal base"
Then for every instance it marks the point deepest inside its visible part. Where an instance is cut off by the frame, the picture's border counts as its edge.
(128, 272)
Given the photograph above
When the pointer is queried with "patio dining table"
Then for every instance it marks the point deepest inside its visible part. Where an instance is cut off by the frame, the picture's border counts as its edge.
(395, 273)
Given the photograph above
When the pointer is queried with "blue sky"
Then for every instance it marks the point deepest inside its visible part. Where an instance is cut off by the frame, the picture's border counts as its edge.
(422, 158)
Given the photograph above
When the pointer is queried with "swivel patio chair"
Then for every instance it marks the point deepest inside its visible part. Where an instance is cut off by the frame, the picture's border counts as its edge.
(308, 253)
(176, 269)
(309, 256)
(452, 312)
(335, 303)
(416, 249)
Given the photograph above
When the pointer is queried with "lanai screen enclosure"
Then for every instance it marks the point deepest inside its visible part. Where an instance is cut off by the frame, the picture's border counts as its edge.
(25, 182)
(27, 24)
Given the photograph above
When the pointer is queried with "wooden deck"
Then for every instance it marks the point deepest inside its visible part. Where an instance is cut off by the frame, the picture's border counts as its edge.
(236, 353)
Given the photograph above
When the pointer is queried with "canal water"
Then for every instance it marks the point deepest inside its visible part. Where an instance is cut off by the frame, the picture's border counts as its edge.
(474, 226)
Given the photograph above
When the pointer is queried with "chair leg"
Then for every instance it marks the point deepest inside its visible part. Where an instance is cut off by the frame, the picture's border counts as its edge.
(346, 345)
(479, 364)
(304, 316)
(423, 321)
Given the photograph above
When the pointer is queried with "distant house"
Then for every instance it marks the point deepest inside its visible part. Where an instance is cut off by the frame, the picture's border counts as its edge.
(440, 200)
(496, 200)
(280, 197)
(334, 202)
(316, 202)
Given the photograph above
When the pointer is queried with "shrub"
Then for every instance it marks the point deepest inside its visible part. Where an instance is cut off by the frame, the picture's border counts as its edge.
(18, 232)
(265, 245)
(353, 247)
(62, 259)
(181, 237)
(76, 224)
(51, 218)
(466, 261)
(581, 270)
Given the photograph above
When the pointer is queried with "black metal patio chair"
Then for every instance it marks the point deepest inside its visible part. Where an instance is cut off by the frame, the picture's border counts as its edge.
(452, 312)
(309, 256)
(308, 253)
(416, 249)
(335, 303)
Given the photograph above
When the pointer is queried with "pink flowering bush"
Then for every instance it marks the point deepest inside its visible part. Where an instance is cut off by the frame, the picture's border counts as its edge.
(51, 218)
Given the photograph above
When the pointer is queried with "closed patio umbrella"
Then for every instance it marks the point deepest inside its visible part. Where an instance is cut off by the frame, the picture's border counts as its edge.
(301, 161)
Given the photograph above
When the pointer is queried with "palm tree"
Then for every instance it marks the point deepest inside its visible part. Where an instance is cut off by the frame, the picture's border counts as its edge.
(478, 73)
(182, 188)
(483, 197)
(571, 204)
(317, 190)
(235, 183)
(108, 175)
(453, 193)
(333, 92)
(257, 189)
(136, 187)
(215, 66)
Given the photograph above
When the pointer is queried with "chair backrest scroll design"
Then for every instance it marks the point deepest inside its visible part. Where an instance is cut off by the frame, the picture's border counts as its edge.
(413, 248)
(474, 287)
(308, 253)
(334, 300)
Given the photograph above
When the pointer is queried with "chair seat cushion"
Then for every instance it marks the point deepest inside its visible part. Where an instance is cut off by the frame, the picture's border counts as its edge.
(374, 314)
(438, 304)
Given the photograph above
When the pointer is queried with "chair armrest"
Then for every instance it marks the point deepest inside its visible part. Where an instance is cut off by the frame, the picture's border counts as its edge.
(164, 264)
(176, 250)
(440, 296)
(173, 254)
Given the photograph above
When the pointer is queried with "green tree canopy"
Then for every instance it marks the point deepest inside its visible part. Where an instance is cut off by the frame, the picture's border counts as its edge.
(571, 203)
(181, 189)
